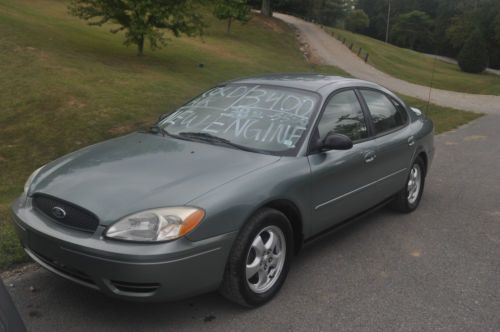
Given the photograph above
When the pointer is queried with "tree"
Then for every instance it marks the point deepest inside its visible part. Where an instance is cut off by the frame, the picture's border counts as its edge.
(266, 8)
(473, 58)
(496, 28)
(142, 19)
(460, 28)
(413, 30)
(330, 11)
(357, 20)
(232, 10)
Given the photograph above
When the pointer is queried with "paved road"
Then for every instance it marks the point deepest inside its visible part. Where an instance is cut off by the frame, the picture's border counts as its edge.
(329, 50)
(437, 268)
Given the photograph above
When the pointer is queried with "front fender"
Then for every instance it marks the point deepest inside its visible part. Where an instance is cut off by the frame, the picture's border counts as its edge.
(228, 207)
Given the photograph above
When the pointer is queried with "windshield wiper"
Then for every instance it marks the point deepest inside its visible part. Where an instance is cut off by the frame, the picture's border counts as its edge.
(156, 129)
(206, 137)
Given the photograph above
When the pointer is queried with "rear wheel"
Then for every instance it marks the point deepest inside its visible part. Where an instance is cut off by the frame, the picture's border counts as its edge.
(260, 259)
(408, 199)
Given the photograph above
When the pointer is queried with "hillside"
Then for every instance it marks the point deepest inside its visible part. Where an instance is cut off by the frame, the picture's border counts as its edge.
(417, 68)
(65, 85)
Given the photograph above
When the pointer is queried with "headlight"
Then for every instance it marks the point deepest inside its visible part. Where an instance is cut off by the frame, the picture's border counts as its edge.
(27, 185)
(157, 225)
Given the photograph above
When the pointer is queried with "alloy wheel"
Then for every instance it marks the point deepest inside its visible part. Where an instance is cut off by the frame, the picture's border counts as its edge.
(265, 259)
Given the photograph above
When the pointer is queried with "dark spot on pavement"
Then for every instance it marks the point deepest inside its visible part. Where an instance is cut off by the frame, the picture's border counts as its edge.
(35, 314)
(209, 318)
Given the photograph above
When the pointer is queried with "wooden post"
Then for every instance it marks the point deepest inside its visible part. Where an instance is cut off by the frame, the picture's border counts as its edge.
(350, 46)
(359, 52)
(366, 57)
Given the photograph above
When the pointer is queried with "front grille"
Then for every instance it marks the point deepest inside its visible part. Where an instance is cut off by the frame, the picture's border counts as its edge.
(66, 213)
(132, 287)
(76, 274)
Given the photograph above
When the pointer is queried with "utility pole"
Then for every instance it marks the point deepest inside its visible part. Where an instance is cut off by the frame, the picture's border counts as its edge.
(388, 21)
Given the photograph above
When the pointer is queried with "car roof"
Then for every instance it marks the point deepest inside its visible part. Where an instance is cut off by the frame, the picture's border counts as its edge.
(306, 81)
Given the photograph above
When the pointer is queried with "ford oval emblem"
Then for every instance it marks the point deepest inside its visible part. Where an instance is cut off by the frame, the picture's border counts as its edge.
(58, 212)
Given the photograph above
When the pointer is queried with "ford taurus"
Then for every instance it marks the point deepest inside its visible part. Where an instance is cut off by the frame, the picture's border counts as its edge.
(223, 192)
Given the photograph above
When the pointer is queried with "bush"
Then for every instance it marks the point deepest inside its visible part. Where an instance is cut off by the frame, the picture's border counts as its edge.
(473, 58)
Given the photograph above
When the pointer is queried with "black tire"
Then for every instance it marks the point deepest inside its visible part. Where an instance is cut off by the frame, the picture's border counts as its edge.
(401, 202)
(234, 285)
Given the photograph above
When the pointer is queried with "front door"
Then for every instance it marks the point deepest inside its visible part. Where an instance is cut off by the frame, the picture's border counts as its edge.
(342, 180)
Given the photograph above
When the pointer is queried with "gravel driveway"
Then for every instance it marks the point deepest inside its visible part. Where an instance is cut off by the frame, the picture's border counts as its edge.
(435, 269)
(330, 51)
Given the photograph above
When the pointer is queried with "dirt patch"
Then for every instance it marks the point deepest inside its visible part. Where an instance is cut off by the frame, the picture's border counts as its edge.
(38, 53)
(120, 129)
(270, 23)
(9, 275)
(217, 50)
(74, 102)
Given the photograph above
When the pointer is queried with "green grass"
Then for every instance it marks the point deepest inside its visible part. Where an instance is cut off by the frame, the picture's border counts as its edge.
(445, 118)
(416, 67)
(65, 85)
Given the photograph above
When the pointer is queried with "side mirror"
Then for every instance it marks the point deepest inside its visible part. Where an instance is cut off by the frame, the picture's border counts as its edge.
(335, 141)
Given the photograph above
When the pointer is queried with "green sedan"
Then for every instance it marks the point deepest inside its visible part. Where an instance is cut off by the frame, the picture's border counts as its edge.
(223, 192)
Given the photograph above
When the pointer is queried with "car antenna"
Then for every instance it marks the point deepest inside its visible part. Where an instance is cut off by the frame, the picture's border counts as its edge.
(430, 84)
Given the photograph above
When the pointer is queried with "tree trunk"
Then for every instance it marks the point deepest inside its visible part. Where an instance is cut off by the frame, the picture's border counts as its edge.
(140, 46)
(266, 8)
(388, 22)
(229, 21)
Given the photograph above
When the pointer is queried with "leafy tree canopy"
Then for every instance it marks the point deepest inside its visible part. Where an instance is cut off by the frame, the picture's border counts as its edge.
(412, 30)
(460, 28)
(142, 19)
(357, 20)
(232, 10)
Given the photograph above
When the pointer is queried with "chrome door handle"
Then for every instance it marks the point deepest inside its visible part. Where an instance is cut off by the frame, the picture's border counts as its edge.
(369, 157)
(411, 141)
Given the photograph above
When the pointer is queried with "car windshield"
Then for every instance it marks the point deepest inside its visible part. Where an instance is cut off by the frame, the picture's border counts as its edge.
(253, 117)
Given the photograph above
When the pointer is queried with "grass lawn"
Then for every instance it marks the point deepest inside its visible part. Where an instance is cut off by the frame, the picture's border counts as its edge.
(445, 118)
(65, 85)
(415, 67)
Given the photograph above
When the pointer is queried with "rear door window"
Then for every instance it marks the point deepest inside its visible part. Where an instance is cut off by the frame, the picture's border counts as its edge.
(386, 116)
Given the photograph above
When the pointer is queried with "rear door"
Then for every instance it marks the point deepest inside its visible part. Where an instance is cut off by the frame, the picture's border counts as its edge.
(341, 180)
(395, 144)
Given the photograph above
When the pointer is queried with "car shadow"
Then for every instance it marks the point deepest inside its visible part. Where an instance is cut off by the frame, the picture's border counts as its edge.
(59, 299)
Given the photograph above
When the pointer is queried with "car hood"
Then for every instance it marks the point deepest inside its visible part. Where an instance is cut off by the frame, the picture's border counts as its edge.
(141, 171)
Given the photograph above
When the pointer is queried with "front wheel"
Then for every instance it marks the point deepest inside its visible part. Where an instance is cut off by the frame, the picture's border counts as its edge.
(260, 259)
(408, 198)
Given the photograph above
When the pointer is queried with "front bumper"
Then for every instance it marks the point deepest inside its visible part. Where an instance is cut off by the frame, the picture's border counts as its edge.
(135, 271)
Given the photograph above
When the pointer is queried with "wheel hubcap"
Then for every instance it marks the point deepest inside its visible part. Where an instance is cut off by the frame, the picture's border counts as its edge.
(414, 183)
(265, 259)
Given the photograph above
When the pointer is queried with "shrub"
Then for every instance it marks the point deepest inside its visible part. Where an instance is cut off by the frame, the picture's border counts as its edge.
(473, 58)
